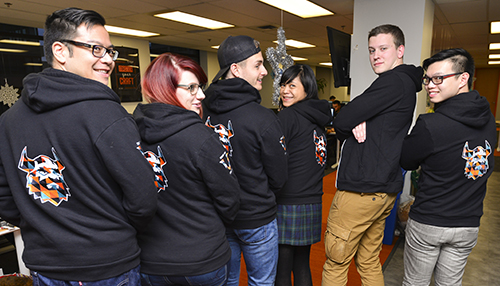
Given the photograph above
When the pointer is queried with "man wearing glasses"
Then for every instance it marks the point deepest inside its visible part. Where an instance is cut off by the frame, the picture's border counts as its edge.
(454, 148)
(72, 175)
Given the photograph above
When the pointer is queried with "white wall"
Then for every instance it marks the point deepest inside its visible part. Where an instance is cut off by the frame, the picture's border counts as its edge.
(407, 14)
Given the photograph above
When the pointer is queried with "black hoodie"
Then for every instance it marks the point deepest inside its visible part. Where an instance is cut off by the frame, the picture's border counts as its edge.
(106, 190)
(187, 236)
(303, 124)
(387, 106)
(256, 146)
(461, 131)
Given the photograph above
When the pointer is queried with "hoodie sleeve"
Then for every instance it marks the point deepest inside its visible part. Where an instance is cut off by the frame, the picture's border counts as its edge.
(417, 146)
(274, 156)
(8, 208)
(218, 175)
(118, 147)
(385, 91)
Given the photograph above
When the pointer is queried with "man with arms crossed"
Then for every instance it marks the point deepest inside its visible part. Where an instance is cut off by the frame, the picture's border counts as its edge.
(372, 128)
(72, 175)
(454, 148)
(255, 143)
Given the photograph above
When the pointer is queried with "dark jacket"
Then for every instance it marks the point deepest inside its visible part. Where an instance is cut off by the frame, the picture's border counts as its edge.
(70, 134)
(387, 106)
(454, 146)
(303, 124)
(256, 145)
(187, 236)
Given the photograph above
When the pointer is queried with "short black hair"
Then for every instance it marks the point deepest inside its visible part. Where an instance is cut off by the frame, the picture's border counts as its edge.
(306, 76)
(62, 25)
(461, 61)
(336, 102)
(395, 31)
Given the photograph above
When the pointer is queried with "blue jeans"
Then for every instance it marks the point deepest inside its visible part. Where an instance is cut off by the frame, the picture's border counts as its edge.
(441, 251)
(217, 277)
(129, 278)
(260, 251)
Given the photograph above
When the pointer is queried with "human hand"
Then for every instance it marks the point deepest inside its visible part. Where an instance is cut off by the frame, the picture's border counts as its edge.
(360, 132)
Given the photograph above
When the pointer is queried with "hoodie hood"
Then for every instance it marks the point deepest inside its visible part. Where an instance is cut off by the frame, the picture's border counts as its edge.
(158, 121)
(469, 108)
(316, 111)
(415, 73)
(226, 95)
(65, 89)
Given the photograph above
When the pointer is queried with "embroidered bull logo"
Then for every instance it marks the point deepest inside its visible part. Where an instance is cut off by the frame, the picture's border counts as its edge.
(44, 178)
(225, 134)
(224, 160)
(157, 162)
(320, 144)
(477, 160)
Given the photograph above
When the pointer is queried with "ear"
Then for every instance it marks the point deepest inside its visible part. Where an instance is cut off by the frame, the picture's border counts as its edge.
(235, 70)
(60, 52)
(401, 51)
(464, 80)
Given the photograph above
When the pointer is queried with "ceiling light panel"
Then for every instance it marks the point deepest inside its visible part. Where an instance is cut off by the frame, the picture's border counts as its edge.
(495, 27)
(16, 42)
(301, 8)
(193, 20)
(297, 44)
(129, 32)
(495, 46)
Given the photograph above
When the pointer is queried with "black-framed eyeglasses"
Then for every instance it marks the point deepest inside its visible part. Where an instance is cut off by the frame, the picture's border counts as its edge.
(438, 79)
(98, 51)
(193, 88)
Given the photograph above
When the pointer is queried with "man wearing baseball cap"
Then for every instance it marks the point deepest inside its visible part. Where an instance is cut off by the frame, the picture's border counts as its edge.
(256, 150)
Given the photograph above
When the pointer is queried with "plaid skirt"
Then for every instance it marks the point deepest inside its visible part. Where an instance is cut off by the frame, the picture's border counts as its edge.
(299, 224)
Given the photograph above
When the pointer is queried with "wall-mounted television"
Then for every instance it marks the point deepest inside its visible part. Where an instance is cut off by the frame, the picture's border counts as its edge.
(340, 52)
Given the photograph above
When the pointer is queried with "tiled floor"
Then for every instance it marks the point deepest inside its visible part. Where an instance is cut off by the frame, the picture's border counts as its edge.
(483, 265)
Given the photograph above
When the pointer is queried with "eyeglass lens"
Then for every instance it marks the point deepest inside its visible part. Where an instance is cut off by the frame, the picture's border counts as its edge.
(100, 52)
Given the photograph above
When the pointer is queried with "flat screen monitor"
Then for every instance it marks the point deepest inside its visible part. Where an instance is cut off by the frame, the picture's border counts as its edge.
(340, 52)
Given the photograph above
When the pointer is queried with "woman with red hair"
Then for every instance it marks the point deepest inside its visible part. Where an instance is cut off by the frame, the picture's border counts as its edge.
(185, 244)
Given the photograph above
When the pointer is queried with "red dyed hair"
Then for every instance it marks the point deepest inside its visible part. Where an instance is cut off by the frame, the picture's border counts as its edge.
(161, 78)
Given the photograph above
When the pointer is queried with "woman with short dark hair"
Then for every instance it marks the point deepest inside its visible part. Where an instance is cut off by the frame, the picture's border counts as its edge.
(299, 202)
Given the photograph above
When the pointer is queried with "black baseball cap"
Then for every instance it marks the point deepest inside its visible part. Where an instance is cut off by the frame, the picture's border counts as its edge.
(234, 50)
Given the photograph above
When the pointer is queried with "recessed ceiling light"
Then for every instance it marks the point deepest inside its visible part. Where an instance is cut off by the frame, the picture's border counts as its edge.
(297, 44)
(326, 64)
(495, 46)
(129, 32)
(215, 47)
(13, 51)
(301, 8)
(34, 64)
(494, 62)
(298, 59)
(495, 27)
(193, 20)
(15, 42)
(496, 56)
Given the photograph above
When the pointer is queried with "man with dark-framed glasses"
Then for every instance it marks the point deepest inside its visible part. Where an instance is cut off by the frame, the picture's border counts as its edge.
(72, 174)
(454, 148)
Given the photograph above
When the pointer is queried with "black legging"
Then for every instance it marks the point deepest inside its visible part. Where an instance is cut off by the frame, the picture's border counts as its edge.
(293, 259)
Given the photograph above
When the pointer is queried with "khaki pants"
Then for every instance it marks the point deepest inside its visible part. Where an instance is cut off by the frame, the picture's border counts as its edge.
(355, 229)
